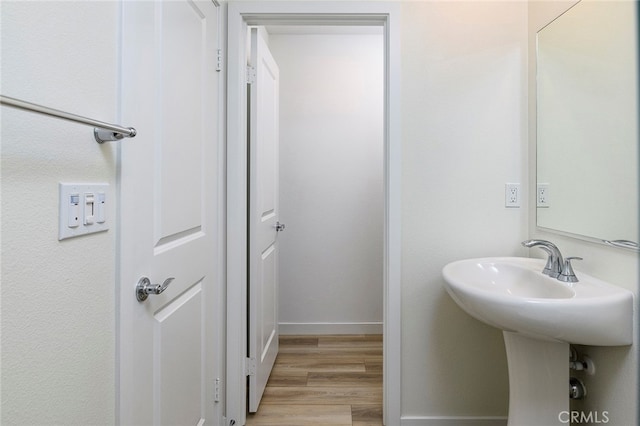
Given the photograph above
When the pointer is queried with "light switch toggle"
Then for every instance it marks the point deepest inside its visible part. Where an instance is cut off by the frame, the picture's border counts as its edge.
(89, 208)
(99, 207)
(73, 219)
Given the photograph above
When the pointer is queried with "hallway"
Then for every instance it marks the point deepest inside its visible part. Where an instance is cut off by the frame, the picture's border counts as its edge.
(324, 380)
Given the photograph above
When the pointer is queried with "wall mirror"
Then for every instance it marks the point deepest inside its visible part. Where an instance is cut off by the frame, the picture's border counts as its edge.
(587, 123)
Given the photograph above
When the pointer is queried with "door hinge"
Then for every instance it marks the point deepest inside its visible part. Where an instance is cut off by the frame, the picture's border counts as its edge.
(249, 366)
(219, 60)
(216, 390)
(251, 74)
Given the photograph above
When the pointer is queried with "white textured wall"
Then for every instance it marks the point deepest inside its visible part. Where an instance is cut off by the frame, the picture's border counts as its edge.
(58, 315)
(464, 130)
(331, 190)
(614, 387)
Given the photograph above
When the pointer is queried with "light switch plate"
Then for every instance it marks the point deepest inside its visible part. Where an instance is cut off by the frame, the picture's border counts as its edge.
(82, 209)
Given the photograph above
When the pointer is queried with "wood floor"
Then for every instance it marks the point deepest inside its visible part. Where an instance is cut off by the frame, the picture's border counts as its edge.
(324, 380)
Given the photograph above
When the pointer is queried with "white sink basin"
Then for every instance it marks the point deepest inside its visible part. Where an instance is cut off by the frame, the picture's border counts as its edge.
(512, 294)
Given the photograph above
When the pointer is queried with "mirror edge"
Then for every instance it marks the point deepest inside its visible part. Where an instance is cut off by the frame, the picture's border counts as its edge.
(535, 25)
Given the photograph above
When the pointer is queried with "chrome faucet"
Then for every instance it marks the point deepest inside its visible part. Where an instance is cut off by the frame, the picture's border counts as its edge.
(554, 265)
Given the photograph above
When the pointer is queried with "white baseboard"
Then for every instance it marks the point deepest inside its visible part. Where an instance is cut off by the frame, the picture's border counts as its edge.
(453, 421)
(288, 328)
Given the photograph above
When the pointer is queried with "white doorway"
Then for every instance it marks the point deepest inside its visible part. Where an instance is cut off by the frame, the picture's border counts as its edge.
(240, 15)
(331, 178)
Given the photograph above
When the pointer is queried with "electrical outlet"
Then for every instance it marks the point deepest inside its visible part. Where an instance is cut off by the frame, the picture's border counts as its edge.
(543, 199)
(512, 195)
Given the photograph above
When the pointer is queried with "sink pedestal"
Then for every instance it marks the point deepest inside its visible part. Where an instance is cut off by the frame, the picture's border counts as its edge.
(512, 293)
(538, 380)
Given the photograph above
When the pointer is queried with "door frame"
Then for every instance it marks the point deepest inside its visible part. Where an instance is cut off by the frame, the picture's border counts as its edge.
(239, 16)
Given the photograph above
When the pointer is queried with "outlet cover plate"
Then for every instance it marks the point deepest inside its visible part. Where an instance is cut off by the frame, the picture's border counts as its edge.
(512, 195)
(543, 196)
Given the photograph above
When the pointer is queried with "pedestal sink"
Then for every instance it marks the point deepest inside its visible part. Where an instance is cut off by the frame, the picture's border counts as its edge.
(540, 316)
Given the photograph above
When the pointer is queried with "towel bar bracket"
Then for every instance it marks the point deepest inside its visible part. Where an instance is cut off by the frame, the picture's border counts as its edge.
(103, 135)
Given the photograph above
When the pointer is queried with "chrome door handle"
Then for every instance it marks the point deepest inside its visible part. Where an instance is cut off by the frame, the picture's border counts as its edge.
(279, 227)
(145, 288)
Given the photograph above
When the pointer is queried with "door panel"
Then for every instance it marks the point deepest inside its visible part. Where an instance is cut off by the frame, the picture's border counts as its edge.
(180, 394)
(168, 213)
(182, 32)
(267, 306)
(263, 216)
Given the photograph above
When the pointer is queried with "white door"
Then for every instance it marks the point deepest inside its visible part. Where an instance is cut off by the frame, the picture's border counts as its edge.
(167, 213)
(263, 217)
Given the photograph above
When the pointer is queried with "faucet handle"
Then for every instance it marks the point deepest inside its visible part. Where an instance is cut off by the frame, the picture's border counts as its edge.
(548, 266)
(568, 275)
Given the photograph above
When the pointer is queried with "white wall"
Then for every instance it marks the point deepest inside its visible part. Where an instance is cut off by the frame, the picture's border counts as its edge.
(614, 387)
(464, 129)
(331, 187)
(58, 314)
